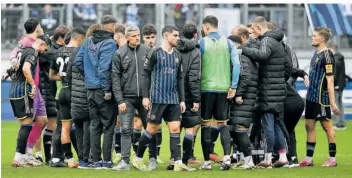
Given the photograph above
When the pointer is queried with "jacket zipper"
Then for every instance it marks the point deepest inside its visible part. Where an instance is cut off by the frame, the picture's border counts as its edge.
(135, 55)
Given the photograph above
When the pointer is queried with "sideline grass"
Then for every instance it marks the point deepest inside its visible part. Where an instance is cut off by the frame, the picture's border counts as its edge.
(344, 157)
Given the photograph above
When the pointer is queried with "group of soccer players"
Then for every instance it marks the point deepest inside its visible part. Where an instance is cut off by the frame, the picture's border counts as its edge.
(80, 85)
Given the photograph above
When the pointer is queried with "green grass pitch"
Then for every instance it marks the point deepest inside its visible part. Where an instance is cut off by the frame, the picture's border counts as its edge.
(344, 157)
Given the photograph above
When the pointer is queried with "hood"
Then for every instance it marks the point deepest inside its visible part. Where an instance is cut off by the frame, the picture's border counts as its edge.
(101, 35)
(55, 45)
(186, 45)
(276, 33)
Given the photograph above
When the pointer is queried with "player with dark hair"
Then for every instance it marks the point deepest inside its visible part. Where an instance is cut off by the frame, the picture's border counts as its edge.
(58, 72)
(27, 103)
(321, 97)
(219, 80)
(191, 60)
(163, 84)
(149, 35)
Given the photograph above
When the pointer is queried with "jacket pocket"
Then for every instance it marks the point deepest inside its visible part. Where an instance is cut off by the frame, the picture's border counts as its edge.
(125, 63)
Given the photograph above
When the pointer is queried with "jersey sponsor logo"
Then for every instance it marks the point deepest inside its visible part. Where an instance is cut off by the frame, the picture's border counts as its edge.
(317, 59)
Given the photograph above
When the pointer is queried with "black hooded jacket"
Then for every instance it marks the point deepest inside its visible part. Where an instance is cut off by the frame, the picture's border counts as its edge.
(47, 86)
(191, 61)
(247, 88)
(271, 57)
(79, 101)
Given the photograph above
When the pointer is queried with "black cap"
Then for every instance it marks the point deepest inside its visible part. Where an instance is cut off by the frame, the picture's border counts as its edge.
(107, 19)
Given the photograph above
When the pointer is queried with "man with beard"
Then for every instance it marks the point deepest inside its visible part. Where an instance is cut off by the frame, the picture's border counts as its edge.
(163, 82)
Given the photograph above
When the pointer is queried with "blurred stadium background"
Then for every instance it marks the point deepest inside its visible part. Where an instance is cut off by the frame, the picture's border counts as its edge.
(294, 19)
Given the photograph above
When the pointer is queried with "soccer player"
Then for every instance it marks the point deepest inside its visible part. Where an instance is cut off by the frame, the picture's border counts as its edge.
(94, 62)
(220, 64)
(320, 96)
(120, 40)
(163, 76)
(58, 72)
(271, 57)
(127, 67)
(191, 57)
(48, 87)
(242, 107)
(149, 37)
(26, 100)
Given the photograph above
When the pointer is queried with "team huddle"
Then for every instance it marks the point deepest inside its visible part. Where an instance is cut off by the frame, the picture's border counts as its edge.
(81, 88)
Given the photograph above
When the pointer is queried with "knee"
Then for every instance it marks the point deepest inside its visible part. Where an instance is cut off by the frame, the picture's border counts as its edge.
(174, 129)
(190, 131)
(329, 131)
(126, 130)
(26, 121)
(309, 128)
(41, 121)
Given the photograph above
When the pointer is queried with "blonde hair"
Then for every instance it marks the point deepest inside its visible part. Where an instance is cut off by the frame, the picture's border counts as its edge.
(260, 21)
(325, 32)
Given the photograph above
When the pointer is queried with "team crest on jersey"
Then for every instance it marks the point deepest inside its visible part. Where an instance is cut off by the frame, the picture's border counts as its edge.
(177, 60)
(317, 59)
(32, 58)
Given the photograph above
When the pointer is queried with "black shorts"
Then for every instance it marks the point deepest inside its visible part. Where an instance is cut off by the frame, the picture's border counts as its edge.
(65, 104)
(317, 111)
(190, 118)
(170, 113)
(22, 108)
(214, 105)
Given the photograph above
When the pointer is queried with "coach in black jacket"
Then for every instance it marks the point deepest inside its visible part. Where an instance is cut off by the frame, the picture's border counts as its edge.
(127, 66)
(272, 85)
(191, 61)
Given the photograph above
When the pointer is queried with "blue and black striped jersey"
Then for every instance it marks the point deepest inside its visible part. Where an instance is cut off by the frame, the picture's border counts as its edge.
(321, 65)
(165, 71)
(20, 87)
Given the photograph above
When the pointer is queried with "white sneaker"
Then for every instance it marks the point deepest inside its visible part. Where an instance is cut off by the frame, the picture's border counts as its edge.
(31, 160)
(205, 166)
(20, 161)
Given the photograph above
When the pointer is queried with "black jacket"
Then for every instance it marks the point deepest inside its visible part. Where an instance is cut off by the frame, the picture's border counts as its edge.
(247, 88)
(47, 86)
(295, 65)
(272, 58)
(127, 67)
(79, 101)
(191, 61)
(339, 71)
